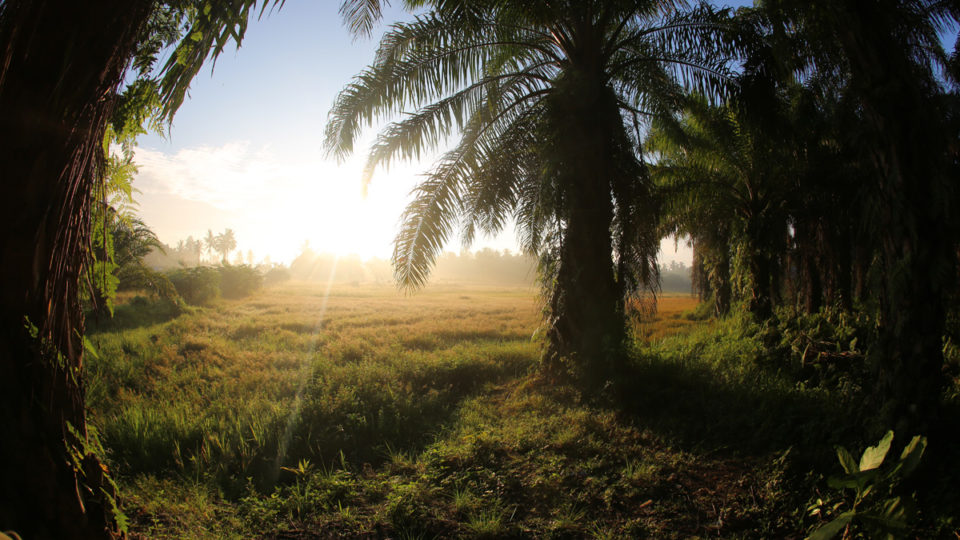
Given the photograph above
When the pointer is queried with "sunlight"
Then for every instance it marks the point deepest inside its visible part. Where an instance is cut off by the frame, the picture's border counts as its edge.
(274, 199)
(306, 368)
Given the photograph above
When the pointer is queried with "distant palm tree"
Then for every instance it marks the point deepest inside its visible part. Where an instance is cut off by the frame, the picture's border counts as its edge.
(726, 184)
(547, 98)
(210, 243)
(224, 243)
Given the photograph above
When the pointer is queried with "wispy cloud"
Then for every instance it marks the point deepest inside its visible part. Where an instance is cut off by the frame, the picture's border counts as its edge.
(230, 177)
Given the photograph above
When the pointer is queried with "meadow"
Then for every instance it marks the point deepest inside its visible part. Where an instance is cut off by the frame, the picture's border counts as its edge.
(307, 411)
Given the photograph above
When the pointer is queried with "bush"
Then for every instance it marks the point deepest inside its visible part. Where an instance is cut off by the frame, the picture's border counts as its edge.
(277, 274)
(239, 281)
(198, 286)
(139, 277)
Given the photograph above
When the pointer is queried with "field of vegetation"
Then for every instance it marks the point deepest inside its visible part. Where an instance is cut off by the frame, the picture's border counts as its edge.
(307, 411)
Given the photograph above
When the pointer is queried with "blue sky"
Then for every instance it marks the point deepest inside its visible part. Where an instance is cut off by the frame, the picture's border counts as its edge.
(245, 149)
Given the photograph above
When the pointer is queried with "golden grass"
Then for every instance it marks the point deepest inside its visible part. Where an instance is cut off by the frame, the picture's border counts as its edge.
(353, 378)
(669, 317)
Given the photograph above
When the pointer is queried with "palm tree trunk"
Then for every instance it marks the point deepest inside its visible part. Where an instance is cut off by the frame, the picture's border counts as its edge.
(808, 271)
(61, 61)
(719, 264)
(758, 265)
(908, 149)
(587, 307)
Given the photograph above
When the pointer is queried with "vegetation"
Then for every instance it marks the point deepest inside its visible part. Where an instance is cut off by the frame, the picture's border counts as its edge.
(354, 411)
(516, 81)
(807, 151)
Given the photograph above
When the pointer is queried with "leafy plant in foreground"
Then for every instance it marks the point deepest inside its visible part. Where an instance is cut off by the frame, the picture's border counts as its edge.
(875, 506)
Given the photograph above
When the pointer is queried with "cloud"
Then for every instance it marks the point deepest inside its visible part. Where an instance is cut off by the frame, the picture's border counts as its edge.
(230, 177)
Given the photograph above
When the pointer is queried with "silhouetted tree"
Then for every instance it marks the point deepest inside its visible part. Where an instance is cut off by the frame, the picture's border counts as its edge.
(224, 243)
(726, 183)
(61, 64)
(887, 51)
(543, 94)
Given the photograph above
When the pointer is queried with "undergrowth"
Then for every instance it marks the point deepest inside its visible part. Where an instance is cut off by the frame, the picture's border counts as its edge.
(296, 414)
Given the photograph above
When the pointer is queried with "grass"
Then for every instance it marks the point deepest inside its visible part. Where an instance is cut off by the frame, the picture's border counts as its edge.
(364, 413)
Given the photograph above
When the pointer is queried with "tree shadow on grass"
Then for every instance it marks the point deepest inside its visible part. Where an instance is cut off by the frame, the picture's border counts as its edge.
(754, 411)
(352, 415)
(138, 313)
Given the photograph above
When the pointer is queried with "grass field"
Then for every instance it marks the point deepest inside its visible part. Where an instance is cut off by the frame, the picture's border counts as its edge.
(303, 412)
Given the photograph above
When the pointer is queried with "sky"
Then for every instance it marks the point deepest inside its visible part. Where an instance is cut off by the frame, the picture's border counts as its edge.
(245, 150)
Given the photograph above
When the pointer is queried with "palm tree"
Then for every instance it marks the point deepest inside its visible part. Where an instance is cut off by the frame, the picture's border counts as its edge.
(887, 51)
(210, 242)
(547, 99)
(224, 243)
(725, 184)
(59, 64)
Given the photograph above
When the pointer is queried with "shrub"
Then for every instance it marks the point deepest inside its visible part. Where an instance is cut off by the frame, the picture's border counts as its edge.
(139, 277)
(276, 274)
(239, 281)
(198, 286)
(874, 506)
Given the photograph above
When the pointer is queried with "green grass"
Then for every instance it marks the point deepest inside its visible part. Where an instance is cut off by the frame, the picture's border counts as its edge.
(366, 413)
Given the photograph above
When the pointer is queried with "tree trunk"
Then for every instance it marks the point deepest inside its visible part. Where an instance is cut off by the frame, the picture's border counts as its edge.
(758, 265)
(908, 146)
(720, 281)
(587, 306)
(61, 62)
(807, 249)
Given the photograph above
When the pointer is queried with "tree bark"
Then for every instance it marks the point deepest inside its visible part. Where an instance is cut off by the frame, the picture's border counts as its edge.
(587, 307)
(908, 146)
(60, 63)
(758, 265)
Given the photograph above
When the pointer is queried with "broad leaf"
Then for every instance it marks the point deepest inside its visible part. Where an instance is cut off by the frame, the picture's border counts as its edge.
(856, 481)
(831, 529)
(873, 456)
(846, 460)
(910, 457)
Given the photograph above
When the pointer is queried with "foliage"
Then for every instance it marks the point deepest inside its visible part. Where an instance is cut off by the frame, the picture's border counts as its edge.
(516, 80)
(156, 284)
(276, 275)
(111, 206)
(239, 281)
(224, 243)
(725, 184)
(875, 506)
(826, 348)
(199, 285)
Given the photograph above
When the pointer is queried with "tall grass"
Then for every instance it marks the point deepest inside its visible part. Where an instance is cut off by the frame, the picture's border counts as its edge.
(211, 392)
(357, 412)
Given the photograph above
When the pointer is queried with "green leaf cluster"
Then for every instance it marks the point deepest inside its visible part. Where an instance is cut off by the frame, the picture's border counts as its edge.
(875, 506)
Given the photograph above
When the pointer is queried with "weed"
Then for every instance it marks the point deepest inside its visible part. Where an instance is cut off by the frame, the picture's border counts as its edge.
(874, 505)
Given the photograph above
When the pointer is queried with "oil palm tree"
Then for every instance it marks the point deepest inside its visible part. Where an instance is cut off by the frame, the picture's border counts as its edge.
(725, 184)
(547, 100)
(224, 243)
(888, 51)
